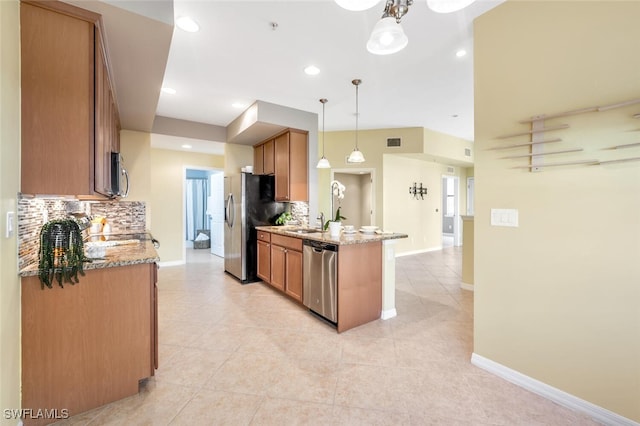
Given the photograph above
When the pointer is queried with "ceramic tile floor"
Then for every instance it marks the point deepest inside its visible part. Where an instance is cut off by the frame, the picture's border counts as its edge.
(234, 354)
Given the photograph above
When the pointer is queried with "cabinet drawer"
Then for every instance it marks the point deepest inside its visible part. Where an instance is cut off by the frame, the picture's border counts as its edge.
(287, 242)
(264, 236)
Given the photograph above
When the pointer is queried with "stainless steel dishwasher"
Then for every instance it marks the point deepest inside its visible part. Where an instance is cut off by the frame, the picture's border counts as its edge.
(320, 279)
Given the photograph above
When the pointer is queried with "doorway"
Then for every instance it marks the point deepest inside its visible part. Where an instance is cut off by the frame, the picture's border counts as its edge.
(202, 227)
(357, 204)
(450, 211)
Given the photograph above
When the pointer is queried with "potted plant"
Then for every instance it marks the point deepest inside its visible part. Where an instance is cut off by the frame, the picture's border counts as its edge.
(335, 225)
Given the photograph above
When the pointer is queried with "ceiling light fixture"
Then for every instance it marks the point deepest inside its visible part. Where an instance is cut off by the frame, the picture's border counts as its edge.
(238, 105)
(187, 24)
(168, 90)
(388, 36)
(186, 146)
(357, 5)
(356, 156)
(460, 53)
(323, 163)
(312, 70)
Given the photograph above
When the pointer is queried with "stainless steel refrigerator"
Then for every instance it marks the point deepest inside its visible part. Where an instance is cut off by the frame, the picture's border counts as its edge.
(249, 202)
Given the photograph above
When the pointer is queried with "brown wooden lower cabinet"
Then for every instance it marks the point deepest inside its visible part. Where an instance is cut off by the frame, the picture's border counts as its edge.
(359, 280)
(88, 344)
(280, 263)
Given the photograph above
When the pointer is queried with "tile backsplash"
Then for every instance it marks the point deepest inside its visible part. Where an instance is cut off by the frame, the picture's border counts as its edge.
(124, 216)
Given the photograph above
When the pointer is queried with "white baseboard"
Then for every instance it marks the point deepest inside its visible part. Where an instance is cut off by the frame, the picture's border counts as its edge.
(172, 263)
(556, 395)
(389, 313)
(466, 286)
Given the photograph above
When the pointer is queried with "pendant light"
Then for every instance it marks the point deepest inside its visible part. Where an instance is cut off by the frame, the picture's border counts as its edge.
(356, 156)
(388, 36)
(323, 163)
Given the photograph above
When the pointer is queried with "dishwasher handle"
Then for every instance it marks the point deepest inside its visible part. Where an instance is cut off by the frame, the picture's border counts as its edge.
(319, 246)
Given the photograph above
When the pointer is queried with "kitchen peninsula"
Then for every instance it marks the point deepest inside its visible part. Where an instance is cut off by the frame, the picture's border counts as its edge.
(90, 343)
(365, 284)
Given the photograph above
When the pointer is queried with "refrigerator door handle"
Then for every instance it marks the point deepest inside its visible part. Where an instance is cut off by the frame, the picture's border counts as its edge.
(230, 211)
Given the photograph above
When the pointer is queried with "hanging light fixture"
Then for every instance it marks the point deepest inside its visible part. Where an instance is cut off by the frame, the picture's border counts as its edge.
(448, 6)
(356, 156)
(323, 163)
(388, 36)
(357, 5)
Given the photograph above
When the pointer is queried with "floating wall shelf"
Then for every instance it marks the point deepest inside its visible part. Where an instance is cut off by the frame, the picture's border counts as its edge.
(537, 140)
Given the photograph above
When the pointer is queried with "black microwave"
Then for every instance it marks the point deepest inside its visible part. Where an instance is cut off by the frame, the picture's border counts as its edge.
(119, 176)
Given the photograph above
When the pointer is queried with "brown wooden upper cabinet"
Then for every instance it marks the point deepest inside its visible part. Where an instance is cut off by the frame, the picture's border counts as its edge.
(285, 156)
(263, 158)
(70, 120)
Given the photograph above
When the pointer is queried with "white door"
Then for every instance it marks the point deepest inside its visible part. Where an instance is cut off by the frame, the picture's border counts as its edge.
(216, 212)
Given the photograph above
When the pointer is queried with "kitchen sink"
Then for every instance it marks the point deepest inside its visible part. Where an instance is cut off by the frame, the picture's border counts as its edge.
(306, 230)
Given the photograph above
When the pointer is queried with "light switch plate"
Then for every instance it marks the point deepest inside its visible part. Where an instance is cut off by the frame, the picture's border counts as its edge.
(504, 217)
(9, 225)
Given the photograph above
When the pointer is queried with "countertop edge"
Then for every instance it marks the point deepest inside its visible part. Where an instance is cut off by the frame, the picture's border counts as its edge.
(343, 239)
(116, 256)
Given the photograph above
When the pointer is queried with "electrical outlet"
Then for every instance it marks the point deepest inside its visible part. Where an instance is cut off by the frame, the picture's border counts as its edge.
(9, 225)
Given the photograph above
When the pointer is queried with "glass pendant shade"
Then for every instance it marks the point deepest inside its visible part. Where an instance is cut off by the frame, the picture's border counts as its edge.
(323, 163)
(357, 5)
(387, 37)
(448, 6)
(355, 156)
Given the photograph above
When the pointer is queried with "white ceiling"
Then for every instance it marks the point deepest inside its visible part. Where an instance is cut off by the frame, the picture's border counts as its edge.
(237, 56)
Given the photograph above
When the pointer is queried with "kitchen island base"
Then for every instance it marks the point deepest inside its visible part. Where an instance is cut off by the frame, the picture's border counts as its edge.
(88, 344)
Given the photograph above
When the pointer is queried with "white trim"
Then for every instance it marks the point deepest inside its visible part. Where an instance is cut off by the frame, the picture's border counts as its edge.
(409, 253)
(171, 263)
(389, 313)
(466, 286)
(556, 395)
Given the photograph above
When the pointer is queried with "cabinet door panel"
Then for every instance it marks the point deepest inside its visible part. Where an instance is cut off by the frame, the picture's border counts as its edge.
(57, 60)
(269, 158)
(278, 262)
(282, 167)
(264, 261)
(258, 160)
(294, 274)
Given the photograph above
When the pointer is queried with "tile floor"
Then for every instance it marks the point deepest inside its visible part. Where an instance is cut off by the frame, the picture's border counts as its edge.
(234, 354)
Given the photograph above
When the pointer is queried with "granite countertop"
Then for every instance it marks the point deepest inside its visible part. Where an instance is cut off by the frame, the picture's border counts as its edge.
(344, 238)
(124, 253)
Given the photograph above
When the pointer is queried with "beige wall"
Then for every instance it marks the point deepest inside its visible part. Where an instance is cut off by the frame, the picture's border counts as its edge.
(9, 186)
(157, 177)
(135, 148)
(424, 157)
(558, 298)
(420, 219)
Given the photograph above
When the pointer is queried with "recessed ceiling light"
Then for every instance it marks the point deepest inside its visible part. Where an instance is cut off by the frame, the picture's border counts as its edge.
(169, 90)
(312, 70)
(187, 24)
(460, 53)
(238, 105)
(186, 146)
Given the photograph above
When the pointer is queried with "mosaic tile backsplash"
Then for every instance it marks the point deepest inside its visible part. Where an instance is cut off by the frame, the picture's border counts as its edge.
(124, 216)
